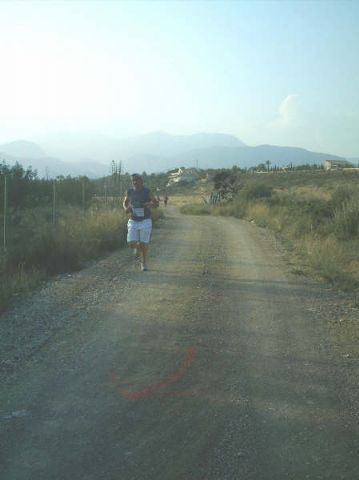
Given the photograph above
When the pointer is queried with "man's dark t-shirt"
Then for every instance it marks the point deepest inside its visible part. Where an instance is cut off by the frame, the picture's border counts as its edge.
(137, 199)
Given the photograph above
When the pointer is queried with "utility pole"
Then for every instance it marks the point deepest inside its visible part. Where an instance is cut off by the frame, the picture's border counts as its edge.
(83, 194)
(54, 202)
(105, 190)
(5, 212)
(119, 170)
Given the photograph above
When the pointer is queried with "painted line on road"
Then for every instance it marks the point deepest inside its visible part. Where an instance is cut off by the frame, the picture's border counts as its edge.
(152, 389)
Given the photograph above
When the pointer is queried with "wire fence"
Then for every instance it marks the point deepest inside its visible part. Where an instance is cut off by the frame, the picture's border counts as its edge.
(53, 226)
(5, 216)
(49, 226)
(48, 201)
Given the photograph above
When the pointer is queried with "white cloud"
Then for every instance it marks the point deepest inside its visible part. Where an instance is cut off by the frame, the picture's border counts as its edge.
(291, 125)
(288, 113)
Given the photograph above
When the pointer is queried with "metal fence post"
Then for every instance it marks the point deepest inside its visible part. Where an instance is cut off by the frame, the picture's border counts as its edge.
(54, 202)
(83, 196)
(5, 213)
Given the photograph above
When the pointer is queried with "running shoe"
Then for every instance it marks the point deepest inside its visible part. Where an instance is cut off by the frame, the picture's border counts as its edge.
(137, 255)
(143, 267)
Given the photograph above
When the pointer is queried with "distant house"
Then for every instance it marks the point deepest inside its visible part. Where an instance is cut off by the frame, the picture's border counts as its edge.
(336, 164)
(183, 175)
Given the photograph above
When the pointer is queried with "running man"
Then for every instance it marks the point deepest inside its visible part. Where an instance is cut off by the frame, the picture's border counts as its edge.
(137, 202)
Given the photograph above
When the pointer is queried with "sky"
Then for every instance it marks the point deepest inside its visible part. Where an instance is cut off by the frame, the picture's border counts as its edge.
(268, 72)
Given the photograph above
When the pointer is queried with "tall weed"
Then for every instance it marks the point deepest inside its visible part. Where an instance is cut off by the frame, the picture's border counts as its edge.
(256, 190)
(346, 219)
(329, 258)
(37, 247)
(196, 209)
(316, 214)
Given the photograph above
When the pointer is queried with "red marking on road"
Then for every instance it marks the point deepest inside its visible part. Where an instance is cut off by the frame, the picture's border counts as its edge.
(152, 389)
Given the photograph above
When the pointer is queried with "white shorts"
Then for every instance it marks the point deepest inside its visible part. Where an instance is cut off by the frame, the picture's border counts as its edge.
(139, 231)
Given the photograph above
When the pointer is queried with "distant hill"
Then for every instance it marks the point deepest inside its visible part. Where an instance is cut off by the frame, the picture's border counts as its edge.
(49, 167)
(354, 160)
(91, 155)
(104, 149)
(164, 145)
(284, 156)
(22, 149)
(226, 157)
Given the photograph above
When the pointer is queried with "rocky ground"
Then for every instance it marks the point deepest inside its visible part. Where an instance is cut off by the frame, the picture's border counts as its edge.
(218, 363)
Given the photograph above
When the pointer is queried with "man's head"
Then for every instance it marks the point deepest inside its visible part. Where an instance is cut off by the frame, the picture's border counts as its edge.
(136, 180)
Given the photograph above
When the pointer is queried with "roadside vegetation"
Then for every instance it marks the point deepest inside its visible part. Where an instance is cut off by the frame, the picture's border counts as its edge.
(315, 213)
(51, 231)
(38, 249)
(54, 226)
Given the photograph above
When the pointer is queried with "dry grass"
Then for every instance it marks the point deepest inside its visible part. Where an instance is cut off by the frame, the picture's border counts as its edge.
(315, 213)
(179, 200)
(37, 248)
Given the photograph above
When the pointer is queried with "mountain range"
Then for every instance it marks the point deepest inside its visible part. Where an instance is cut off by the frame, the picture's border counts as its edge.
(92, 154)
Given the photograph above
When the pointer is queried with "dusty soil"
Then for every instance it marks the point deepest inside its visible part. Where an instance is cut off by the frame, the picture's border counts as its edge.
(216, 364)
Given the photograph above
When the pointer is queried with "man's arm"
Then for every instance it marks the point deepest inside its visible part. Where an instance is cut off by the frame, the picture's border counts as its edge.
(125, 204)
(153, 202)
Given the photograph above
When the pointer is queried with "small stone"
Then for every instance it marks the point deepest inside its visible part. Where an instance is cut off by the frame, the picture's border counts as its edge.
(20, 414)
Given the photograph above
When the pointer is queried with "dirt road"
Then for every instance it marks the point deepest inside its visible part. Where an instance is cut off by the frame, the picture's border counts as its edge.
(216, 364)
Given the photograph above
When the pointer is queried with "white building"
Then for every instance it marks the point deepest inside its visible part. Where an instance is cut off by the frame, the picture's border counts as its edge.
(183, 175)
(336, 164)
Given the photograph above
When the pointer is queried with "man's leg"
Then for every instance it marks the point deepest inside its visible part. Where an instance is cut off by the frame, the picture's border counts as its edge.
(133, 237)
(135, 247)
(145, 236)
(144, 250)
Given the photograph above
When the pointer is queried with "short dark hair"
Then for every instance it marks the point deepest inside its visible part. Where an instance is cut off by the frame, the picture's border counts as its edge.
(136, 175)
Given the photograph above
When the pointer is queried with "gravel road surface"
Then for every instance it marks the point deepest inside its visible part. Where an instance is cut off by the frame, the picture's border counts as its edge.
(216, 364)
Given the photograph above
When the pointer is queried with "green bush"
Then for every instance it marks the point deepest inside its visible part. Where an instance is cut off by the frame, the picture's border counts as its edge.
(35, 246)
(346, 220)
(256, 190)
(342, 195)
(315, 209)
(196, 209)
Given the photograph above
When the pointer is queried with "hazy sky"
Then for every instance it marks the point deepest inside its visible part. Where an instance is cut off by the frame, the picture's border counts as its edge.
(281, 72)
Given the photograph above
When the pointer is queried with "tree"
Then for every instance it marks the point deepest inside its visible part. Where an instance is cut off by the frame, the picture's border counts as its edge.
(19, 185)
(226, 182)
(261, 167)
